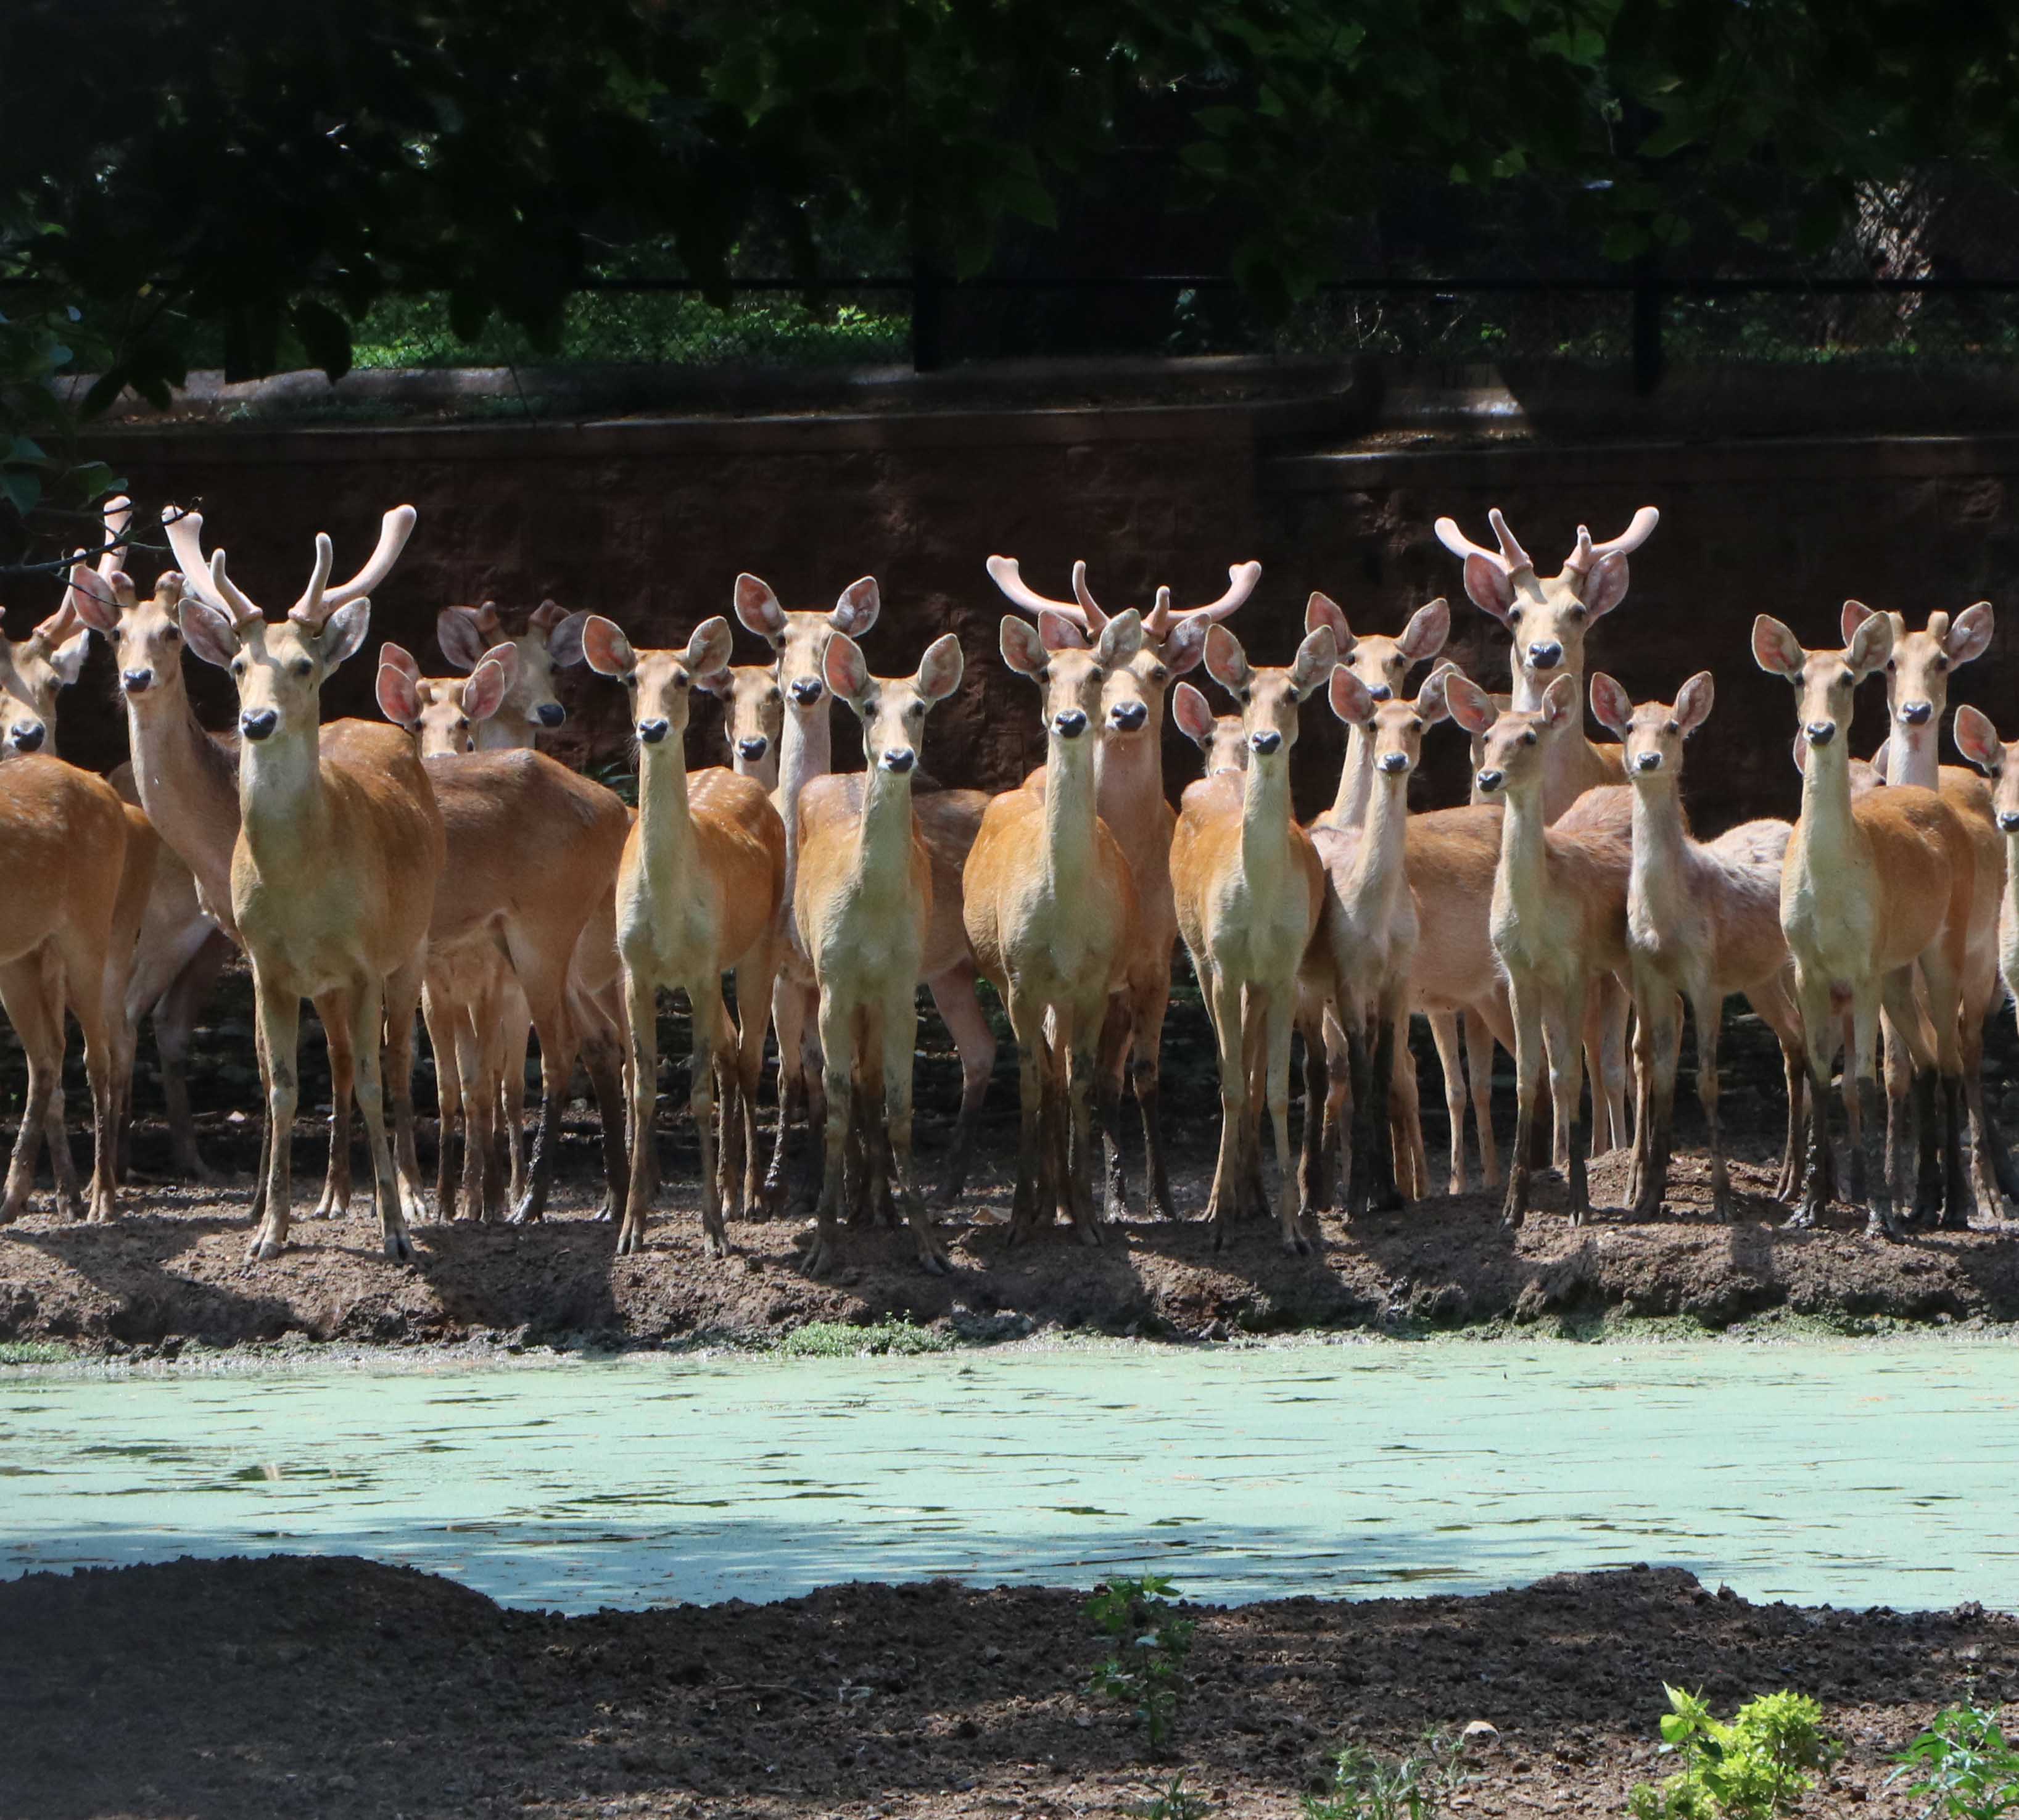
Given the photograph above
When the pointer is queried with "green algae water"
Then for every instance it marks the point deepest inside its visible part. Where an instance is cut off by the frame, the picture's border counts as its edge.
(1850, 1473)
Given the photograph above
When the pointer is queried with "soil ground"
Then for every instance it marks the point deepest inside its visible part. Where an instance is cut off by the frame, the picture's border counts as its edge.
(340, 1688)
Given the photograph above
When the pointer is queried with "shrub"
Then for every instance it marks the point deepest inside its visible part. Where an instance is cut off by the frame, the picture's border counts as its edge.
(1365, 1787)
(1754, 1768)
(1968, 1770)
(1150, 1645)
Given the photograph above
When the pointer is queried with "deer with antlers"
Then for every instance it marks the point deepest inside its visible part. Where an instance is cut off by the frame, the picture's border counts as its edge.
(1129, 794)
(1874, 887)
(864, 911)
(1050, 907)
(1703, 920)
(1249, 891)
(697, 895)
(335, 868)
(1558, 920)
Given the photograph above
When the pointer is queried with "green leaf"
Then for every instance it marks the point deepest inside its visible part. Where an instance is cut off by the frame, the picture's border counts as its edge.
(23, 487)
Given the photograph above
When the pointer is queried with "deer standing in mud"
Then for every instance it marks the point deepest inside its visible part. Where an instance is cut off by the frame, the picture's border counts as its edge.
(697, 897)
(1872, 887)
(1248, 890)
(335, 868)
(1129, 794)
(864, 909)
(1050, 907)
(1703, 920)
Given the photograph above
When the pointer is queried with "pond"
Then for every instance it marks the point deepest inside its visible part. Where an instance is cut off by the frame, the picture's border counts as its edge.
(1854, 1473)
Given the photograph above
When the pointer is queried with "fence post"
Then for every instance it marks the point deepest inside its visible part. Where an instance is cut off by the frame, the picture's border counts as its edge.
(1647, 358)
(928, 318)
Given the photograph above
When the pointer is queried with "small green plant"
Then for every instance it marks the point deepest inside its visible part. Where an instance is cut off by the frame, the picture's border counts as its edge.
(1967, 1769)
(838, 1339)
(1367, 1786)
(1148, 1665)
(1758, 1766)
(1176, 1803)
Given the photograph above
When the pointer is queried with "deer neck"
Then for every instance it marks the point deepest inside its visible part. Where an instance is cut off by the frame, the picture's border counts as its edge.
(284, 819)
(1127, 776)
(1356, 780)
(1828, 831)
(883, 839)
(1378, 865)
(1265, 821)
(806, 752)
(1913, 757)
(498, 734)
(1069, 813)
(188, 785)
(1659, 841)
(1521, 884)
(664, 821)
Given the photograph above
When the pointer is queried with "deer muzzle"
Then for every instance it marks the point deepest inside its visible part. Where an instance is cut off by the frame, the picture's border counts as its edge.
(1265, 741)
(1489, 782)
(753, 747)
(552, 713)
(651, 732)
(806, 691)
(1916, 713)
(1647, 761)
(1820, 732)
(27, 736)
(259, 723)
(1545, 656)
(1127, 716)
(1393, 763)
(136, 682)
(1069, 723)
(899, 758)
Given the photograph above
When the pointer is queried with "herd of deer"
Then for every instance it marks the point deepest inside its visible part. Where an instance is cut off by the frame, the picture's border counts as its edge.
(439, 865)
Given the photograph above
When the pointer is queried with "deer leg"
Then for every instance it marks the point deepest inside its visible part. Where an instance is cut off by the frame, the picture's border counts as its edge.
(367, 1007)
(1794, 1066)
(710, 1020)
(56, 1125)
(1405, 1117)
(1942, 973)
(1384, 1191)
(1117, 1033)
(1444, 1034)
(755, 979)
(1707, 1012)
(1223, 998)
(1987, 1147)
(1528, 1066)
(1254, 1190)
(1313, 1187)
(174, 1018)
(337, 1038)
(101, 1024)
(1562, 1024)
(602, 1040)
(545, 984)
(31, 989)
(897, 1037)
(1360, 1118)
(642, 1015)
(1910, 1072)
(517, 1032)
(1860, 1067)
(478, 1109)
(1277, 1011)
(280, 1015)
(837, 1046)
(400, 997)
(1030, 1210)
(441, 1022)
(1079, 1042)
(960, 1010)
(1659, 1015)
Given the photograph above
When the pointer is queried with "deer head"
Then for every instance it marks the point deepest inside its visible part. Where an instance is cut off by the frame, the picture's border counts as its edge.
(443, 713)
(1070, 678)
(892, 709)
(754, 715)
(1511, 745)
(1917, 679)
(1270, 699)
(660, 683)
(799, 639)
(1220, 738)
(1394, 727)
(1977, 739)
(552, 641)
(34, 669)
(1824, 680)
(1549, 618)
(1653, 733)
(1381, 664)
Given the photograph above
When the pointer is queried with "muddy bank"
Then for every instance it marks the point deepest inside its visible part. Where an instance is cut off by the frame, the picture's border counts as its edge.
(339, 1688)
(171, 1272)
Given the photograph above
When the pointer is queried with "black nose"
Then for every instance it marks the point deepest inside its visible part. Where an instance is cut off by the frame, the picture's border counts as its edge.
(900, 759)
(754, 748)
(1545, 656)
(552, 714)
(1265, 741)
(1916, 713)
(2008, 819)
(1381, 692)
(1392, 762)
(1492, 781)
(1071, 724)
(1647, 761)
(1126, 717)
(651, 732)
(28, 737)
(136, 682)
(807, 690)
(1820, 732)
(259, 724)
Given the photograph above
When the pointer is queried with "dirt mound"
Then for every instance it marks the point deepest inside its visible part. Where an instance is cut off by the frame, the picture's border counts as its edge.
(341, 1687)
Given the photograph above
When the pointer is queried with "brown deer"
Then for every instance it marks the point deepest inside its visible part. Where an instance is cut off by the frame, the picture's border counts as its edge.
(1248, 890)
(1559, 920)
(753, 719)
(62, 846)
(864, 910)
(1129, 794)
(1977, 739)
(697, 895)
(1873, 886)
(1703, 921)
(1049, 903)
(334, 870)
(1222, 741)
(1382, 666)
(552, 641)
(1917, 685)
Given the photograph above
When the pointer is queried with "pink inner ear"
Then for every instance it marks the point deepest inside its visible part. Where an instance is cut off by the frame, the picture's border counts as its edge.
(757, 607)
(1606, 586)
(1021, 648)
(1322, 610)
(1059, 633)
(1225, 661)
(1185, 649)
(842, 663)
(1193, 712)
(460, 637)
(1470, 705)
(1350, 700)
(1488, 586)
(1424, 637)
(605, 646)
(1975, 736)
(398, 699)
(484, 691)
(1774, 647)
(1610, 705)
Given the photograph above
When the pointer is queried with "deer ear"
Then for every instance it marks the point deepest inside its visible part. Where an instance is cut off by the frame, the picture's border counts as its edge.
(399, 696)
(400, 658)
(1612, 707)
(843, 666)
(1470, 705)
(1023, 649)
(1488, 586)
(1120, 638)
(1322, 610)
(856, 611)
(1693, 702)
(461, 639)
(90, 598)
(1431, 705)
(1425, 636)
(1192, 713)
(939, 670)
(1977, 739)
(758, 608)
(1882, 758)
(344, 631)
(1350, 698)
(1855, 615)
(1315, 661)
(504, 657)
(1970, 635)
(709, 648)
(1184, 649)
(1056, 632)
(67, 658)
(605, 648)
(485, 691)
(1605, 587)
(564, 642)
(1801, 753)
(1775, 648)
(1559, 701)
(1871, 646)
(1226, 662)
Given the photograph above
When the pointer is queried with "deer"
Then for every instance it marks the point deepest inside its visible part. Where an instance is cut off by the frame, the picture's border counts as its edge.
(1222, 741)
(63, 844)
(697, 895)
(552, 641)
(753, 721)
(1370, 926)
(864, 909)
(1978, 740)
(1129, 794)
(334, 870)
(1917, 683)
(1873, 887)
(948, 820)
(1249, 891)
(1049, 903)
(1703, 921)
(1558, 920)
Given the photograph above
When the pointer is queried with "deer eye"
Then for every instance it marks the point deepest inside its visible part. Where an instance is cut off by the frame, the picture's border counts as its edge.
(1576, 613)
(773, 694)
(1529, 738)
(1514, 614)
(238, 666)
(1892, 668)
(1850, 677)
(1673, 729)
(1161, 674)
(1941, 663)
(681, 678)
(631, 679)
(173, 634)
(1244, 696)
(301, 666)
